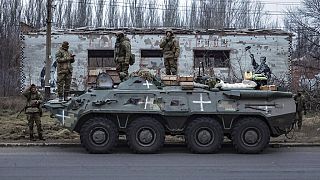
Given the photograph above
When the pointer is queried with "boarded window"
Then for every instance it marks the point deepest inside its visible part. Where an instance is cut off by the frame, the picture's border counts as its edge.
(212, 58)
(101, 58)
(152, 59)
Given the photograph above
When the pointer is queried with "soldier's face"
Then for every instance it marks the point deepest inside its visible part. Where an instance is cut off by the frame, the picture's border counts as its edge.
(168, 34)
(33, 90)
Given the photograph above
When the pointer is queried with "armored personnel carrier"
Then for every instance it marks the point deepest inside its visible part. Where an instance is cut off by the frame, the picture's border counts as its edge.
(146, 111)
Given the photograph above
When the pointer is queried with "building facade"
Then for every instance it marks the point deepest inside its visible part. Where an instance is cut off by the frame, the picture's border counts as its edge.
(223, 53)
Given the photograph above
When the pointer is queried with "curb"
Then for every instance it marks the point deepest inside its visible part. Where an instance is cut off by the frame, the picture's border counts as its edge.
(52, 144)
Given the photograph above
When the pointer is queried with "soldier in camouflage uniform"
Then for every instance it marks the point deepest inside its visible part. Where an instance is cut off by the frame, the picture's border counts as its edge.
(33, 110)
(64, 71)
(122, 55)
(171, 52)
(300, 106)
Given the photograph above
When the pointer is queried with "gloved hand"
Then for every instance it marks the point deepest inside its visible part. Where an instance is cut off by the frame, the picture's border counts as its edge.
(251, 55)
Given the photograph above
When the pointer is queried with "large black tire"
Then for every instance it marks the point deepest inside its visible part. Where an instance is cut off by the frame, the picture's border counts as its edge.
(204, 135)
(250, 135)
(99, 135)
(145, 135)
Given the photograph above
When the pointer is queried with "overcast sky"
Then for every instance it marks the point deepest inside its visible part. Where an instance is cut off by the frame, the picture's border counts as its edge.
(277, 7)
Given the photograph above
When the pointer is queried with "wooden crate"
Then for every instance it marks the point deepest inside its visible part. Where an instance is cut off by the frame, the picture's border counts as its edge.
(170, 78)
(187, 85)
(186, 78)
(269, 87)
(170, 83)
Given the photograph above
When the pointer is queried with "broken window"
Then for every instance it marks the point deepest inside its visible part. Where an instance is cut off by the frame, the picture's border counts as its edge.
(152, 59)
(212, 58)
(101, 58)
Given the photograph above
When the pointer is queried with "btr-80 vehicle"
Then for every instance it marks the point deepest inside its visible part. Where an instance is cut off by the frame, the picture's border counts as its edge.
(146, 111)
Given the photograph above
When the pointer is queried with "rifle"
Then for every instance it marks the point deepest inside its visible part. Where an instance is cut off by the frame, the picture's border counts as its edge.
(23, 109)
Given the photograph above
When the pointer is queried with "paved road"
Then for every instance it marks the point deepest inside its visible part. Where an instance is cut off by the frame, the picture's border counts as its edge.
(173, 162)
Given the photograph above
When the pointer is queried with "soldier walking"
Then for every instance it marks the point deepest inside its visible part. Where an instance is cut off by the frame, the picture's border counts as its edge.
(64, 71)
(171, 52)
(300, 106)
(122, 55)
(33, 110)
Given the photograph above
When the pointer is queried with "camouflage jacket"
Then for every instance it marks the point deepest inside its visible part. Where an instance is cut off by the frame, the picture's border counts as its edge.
(170, 48)
(122, 50)
(300, 103)
(34, 101)
(64, 61)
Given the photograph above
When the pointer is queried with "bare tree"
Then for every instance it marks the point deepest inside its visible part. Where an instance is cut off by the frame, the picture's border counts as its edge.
(113, 14)
(10, 15)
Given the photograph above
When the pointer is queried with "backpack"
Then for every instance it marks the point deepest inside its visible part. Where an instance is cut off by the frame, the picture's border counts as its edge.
(132, 59)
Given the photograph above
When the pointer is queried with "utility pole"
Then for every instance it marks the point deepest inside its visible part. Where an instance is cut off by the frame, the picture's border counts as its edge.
(48, 50)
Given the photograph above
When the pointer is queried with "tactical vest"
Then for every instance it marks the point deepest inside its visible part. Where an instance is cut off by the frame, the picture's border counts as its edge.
(64, 67)
(31, 107)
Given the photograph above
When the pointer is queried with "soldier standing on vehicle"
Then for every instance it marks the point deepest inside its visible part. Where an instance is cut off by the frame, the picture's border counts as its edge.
(261, 68)
(33, 110)
(171, 52)
(122, 55)
(64, 71)
(300, 106)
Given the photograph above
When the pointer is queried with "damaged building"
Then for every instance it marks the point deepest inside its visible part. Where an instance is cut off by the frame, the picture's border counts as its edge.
(223, 53)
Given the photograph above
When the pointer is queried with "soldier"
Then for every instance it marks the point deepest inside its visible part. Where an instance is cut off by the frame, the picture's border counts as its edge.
(33, 110)
(300, 106)
(171, 52)
(263, 68)
(64, 71)
(122, 55)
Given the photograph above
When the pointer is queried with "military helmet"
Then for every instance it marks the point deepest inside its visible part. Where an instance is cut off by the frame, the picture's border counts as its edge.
(65, 44)
(169, 30)
(120, 34)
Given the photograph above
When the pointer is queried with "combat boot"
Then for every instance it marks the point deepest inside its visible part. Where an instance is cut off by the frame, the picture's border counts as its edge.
(41, 137)
(32, 137)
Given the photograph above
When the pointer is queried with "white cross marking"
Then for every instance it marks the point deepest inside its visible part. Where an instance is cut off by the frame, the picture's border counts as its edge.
(147, 84)
(201, 102)
(63, 116)
(148, 102)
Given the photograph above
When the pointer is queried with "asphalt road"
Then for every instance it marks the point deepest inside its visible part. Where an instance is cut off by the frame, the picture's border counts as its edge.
(173, 162)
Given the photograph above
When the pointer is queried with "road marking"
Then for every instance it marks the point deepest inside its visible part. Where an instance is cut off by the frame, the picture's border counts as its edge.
(201, 102)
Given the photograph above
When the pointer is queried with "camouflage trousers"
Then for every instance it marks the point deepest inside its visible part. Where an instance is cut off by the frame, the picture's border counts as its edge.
(122, 69)
(299, 116)
(63, 83)
(34, 118)
(171, 66)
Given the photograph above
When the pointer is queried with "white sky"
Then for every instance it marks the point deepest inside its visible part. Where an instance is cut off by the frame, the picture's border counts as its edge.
(277, 8)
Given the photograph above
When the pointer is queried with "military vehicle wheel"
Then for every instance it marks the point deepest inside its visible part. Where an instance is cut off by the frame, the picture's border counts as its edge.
(145, 135)
(204, 135)
(250, 135)
(99, 135)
